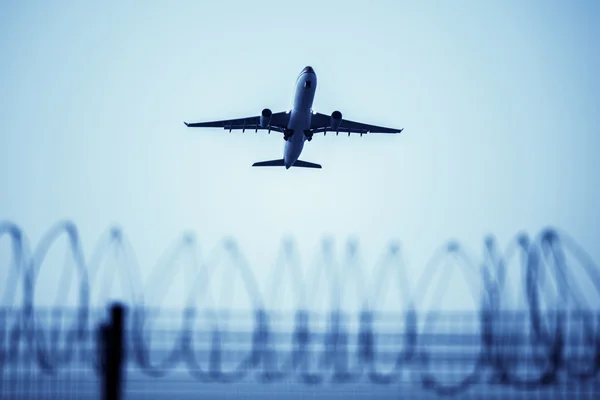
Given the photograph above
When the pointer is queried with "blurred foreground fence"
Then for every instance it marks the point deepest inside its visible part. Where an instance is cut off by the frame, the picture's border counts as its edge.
(548, 346)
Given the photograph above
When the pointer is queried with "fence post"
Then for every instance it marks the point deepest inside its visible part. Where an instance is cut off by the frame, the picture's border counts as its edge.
(112, 358)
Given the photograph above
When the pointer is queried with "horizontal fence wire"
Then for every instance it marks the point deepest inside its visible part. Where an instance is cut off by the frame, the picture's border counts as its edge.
(548, 348)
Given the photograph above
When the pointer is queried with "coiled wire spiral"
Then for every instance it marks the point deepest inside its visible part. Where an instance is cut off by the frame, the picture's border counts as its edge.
(316, 358)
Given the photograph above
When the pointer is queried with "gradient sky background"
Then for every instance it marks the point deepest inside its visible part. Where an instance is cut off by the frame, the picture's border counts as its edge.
(499, 101)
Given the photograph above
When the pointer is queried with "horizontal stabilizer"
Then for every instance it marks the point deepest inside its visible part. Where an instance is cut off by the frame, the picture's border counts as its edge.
(280, 163)
(305, 164)
(272, 163)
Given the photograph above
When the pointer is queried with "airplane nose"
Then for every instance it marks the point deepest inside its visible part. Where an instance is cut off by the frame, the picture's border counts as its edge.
(308, 69)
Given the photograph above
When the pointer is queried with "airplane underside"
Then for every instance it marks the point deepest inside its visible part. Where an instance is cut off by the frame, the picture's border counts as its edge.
(294, 142)
(298, 124)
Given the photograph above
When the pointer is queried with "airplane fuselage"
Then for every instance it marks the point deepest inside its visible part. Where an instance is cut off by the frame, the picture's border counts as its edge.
(300, 116)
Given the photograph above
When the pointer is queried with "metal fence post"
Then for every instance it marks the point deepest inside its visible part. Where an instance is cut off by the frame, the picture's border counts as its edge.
(111, 347)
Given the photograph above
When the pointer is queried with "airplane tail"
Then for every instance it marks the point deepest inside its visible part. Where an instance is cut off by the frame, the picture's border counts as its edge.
(280, 163)
(272, 163)
(306, 164)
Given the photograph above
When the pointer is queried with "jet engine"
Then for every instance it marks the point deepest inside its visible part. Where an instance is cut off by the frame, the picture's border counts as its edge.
(335, 120)
(265, 118)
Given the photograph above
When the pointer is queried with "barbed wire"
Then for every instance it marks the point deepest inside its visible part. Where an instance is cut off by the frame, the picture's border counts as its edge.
(537, 336)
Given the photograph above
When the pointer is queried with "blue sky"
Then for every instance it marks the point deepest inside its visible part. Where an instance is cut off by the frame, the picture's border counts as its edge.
(499, 101)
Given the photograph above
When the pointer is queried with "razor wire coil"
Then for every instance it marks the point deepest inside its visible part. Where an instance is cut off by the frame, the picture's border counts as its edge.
(333, 354)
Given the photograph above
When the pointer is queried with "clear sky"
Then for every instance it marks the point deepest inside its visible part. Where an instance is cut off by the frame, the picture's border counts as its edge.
(499, 101)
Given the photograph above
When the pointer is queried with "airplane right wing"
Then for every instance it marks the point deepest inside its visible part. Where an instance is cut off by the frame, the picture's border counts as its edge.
(322, 123)
(266, 121)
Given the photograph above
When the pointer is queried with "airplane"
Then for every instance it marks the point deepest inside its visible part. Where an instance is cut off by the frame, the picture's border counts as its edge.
(297, 125)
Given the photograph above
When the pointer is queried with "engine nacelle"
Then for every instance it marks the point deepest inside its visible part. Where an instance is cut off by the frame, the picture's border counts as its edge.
(265, 118)
(335, 120)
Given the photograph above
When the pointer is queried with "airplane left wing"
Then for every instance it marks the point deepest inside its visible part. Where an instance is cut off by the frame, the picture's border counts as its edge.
(322, 123)
(278, 123)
